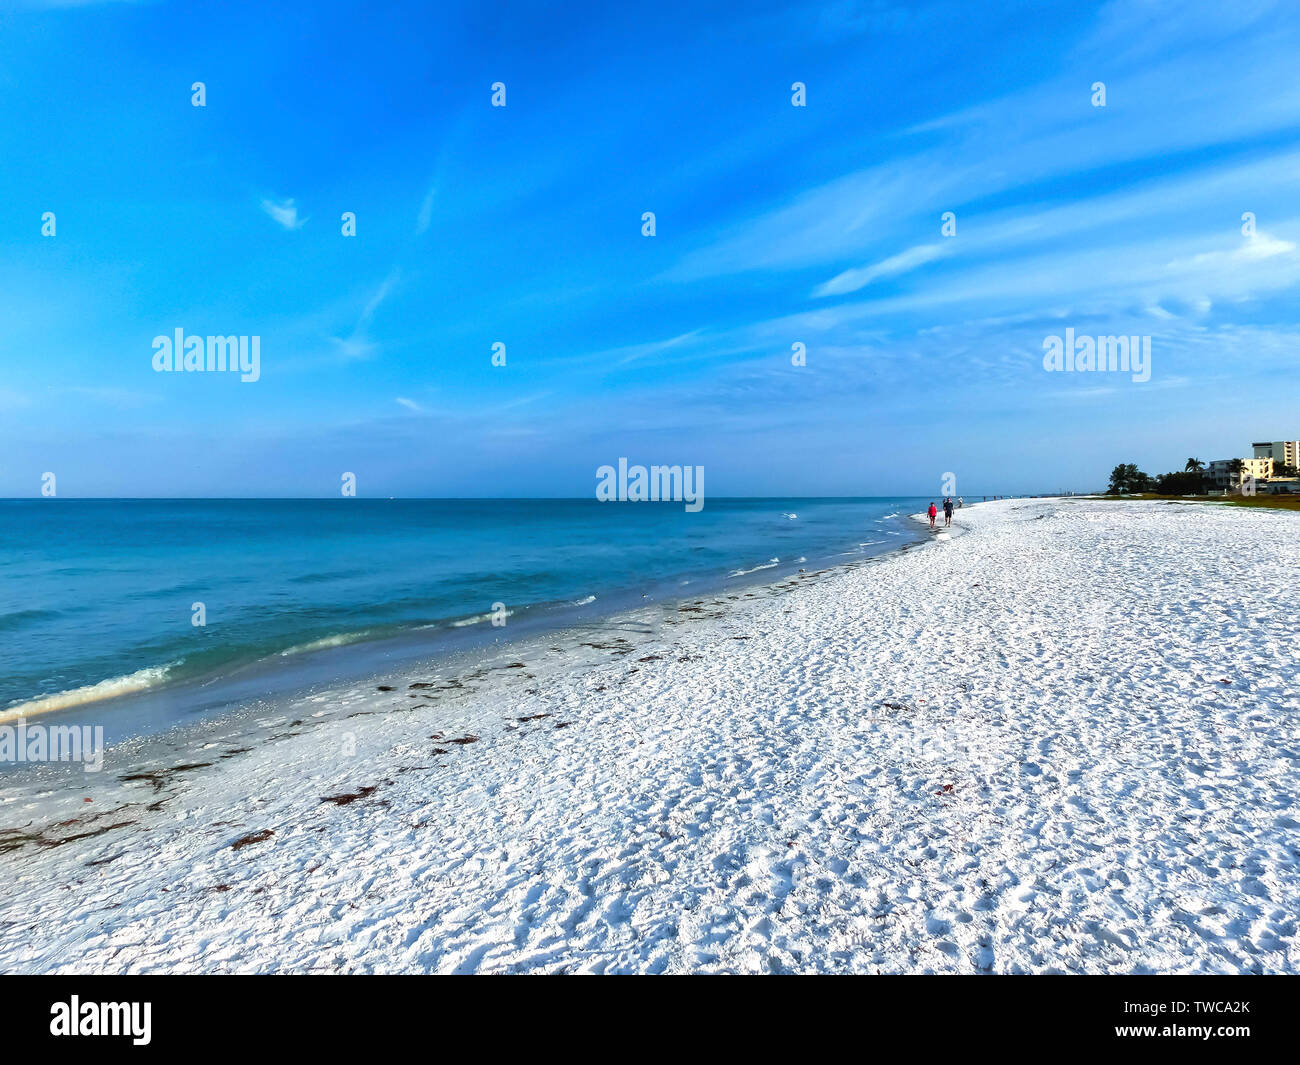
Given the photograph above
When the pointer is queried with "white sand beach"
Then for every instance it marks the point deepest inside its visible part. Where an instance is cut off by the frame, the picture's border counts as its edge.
(1065, 738)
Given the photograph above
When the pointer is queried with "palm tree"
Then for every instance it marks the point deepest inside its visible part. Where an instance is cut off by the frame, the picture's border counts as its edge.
(1194, 466)
(1234, 469)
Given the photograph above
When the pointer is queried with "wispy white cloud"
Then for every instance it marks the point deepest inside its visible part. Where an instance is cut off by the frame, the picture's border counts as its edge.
(425, 218)
(357, 344)
(637, 352)
(410, 404)
(353, 347)
(852, 280)
(1010, 147)
(382, 293)
(285, 213)
(1258, 248)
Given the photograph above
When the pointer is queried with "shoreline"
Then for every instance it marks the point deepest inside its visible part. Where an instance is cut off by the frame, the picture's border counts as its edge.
(837, 760)
(236, 721)
(162, 690)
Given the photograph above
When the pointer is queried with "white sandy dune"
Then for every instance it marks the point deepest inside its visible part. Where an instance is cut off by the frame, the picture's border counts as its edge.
(1065, 738)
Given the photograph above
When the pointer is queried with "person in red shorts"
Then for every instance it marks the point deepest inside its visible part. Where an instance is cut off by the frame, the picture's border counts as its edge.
(932, 512)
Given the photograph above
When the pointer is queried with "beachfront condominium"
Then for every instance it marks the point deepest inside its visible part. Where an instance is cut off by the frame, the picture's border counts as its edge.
(1219, 473)
(1282, 452)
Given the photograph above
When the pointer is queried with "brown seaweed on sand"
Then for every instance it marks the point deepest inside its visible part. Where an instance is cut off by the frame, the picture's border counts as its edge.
(348, 797)
(251, 838)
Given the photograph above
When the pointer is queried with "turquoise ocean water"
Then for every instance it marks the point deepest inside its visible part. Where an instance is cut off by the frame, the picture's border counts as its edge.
(97, 597)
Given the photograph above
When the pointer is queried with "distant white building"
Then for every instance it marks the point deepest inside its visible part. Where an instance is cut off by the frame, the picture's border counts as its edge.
(1219, 475)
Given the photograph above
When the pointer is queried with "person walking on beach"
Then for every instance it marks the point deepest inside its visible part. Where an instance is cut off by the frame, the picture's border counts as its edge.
(960, 502)
(947, 512)
(932, 512)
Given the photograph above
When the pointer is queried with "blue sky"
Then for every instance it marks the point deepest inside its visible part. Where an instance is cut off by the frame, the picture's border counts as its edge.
(522, 225)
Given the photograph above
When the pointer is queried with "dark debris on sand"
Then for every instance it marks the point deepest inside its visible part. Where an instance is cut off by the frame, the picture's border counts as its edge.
(349, 797)
(251, 838)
